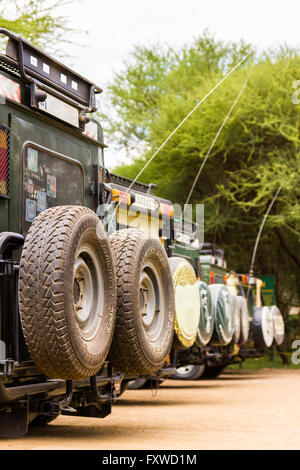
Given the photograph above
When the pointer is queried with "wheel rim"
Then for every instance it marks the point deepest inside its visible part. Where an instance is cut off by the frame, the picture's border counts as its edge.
(88, 291)
(236, 319)
(206, 321)
(267, 326)
(186, 370)
(151, 302)
(278, 325)
(224, 316)
(244, 319)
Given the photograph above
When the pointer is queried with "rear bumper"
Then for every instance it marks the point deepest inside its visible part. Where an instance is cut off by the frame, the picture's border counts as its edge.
(47, 388)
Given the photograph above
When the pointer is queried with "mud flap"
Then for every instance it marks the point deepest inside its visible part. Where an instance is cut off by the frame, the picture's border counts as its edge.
(14, 420)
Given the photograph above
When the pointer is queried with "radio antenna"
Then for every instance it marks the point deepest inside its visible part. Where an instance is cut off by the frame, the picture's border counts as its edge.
(179, 125)
(214, 141)
(186, 117)
(251, 272)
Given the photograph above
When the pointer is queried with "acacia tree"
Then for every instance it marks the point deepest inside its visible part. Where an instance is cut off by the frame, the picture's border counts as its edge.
(257, 151)
(39, 21)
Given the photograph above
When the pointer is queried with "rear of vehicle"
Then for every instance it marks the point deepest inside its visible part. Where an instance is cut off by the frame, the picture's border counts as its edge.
(252, 327)
(50, 149)
(69, 294)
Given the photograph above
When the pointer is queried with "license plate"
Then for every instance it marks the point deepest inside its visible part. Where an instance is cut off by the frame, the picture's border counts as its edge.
(183, 238)
(145, 202)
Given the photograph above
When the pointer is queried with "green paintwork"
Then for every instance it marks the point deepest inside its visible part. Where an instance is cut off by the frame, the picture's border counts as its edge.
(205, 264)
(206, 267)
(183, 250)
(27, 124)
(268, 289)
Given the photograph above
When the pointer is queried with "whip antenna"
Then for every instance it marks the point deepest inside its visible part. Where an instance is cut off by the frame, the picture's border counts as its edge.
(251, 272)
(179, 125)
(214, 141)
(186, 117)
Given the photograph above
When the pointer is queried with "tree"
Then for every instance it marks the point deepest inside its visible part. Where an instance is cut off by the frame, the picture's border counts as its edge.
(38, 21)
(257, 151)
(157, 71)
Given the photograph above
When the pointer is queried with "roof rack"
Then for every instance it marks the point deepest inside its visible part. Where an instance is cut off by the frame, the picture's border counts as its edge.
(38, 68)
(213, 249)
(122, 180)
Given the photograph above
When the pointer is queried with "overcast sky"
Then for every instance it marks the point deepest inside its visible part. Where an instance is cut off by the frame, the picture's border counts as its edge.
(115, 25)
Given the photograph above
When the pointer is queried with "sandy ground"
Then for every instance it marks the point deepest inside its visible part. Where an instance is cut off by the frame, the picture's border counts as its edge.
(240, 410)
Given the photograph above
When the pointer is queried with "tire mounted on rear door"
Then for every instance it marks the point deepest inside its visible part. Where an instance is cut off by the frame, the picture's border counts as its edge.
(67, 292)
(145, 308)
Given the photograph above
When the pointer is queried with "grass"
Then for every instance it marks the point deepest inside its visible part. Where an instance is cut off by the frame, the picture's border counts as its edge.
(265, 362)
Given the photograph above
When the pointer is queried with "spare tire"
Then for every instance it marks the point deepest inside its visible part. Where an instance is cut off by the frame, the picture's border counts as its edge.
(187, 302)
(244, 320)
(67, 292)
(145, 308)
(278, 325)
(262, 327)
(223, 314)
(236, 319)
(206, 320)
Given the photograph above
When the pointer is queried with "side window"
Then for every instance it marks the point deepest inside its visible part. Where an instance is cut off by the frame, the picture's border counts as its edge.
(49, 179)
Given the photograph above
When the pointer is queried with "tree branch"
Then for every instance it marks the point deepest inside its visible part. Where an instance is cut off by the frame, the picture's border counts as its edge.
(286, 248)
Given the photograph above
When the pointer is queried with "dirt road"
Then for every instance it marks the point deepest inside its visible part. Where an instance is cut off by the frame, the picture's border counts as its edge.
(240, 410)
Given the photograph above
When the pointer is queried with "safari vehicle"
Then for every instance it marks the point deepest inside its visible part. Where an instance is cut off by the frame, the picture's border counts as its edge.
(256, 327)
(90, 298)
(234, 323)
(217, 319)
(80, 312)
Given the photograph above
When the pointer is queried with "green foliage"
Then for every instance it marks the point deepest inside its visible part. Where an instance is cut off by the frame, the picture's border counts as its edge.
(264, 362)
(159, 73)
(257, 151)
(38, 21)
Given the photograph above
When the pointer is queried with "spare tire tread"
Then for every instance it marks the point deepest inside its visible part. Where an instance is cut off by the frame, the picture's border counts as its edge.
(126, 353)
(32, 301)
(41, 288)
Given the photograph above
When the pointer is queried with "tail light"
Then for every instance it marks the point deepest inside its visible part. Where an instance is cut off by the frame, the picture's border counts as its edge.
(121, 197)
(4, 161)
(166, 209)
